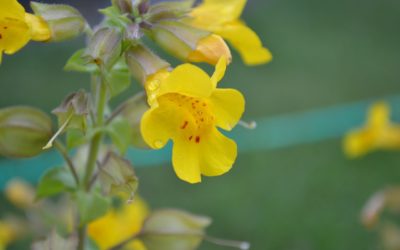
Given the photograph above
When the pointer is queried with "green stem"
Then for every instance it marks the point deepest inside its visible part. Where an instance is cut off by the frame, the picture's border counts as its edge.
(81, 238)
(63, 151)
(96, 141)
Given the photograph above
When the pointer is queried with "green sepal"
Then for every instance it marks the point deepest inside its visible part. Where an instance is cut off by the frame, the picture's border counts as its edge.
(117, 175)
(119, 78)
(170, 229)
(55, 181)
(64, 21)
(170, 10)
(23, 131)
(91, 206)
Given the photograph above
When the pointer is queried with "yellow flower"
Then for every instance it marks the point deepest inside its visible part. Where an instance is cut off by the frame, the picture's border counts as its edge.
(223, 18)
(187, 107)
(210, 49)
(119, 225)
(20, 193)
(7, 235)
(378, 133)
(18, 27)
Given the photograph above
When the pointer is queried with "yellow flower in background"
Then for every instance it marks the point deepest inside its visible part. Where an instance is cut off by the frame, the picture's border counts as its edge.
(20, 193)
(7, 235)
(223, 18)
(118, 225)
(187, 107)
(17, 27)
(378, 133)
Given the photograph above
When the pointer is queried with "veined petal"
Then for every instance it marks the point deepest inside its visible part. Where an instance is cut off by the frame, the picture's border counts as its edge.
(228, 106)
(11, 9)
(218, 153)
(188, 80)
(14, 34)
(39, 29)
(185, 160)
(219, 72)
(246, 41)
(213, 13)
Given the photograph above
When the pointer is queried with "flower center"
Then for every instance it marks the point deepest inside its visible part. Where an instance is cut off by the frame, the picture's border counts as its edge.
(195, 115)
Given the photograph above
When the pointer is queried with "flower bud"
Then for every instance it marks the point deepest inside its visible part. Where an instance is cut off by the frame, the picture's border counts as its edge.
(142, 62)
(124, 6)
(23, 131)
(105, 47)
(188, 43)
(64, 21)
(210, 49)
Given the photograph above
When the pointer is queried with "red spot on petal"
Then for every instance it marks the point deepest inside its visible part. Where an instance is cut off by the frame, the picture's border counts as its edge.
(184, 125)
(1, 36)
(191, 137)
(197, 139)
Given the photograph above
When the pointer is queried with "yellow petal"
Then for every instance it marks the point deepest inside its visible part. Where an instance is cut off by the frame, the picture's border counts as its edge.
(210, 49)
(379, 115)
(213, 13)
(188, 80)
(159, 124)
(14, 34)
(227, 106)
(185, 160)
(217, 154)
(119, 224)
(247, 42)
(219, 72)
(358, 143)
(11, 9)
(134, 245)
(39, 28)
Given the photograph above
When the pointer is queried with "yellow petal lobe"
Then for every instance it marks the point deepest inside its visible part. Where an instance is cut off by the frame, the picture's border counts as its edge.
(210, 49)
(39, 28)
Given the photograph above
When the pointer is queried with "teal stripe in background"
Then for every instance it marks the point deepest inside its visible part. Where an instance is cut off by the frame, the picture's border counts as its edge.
(271, 133)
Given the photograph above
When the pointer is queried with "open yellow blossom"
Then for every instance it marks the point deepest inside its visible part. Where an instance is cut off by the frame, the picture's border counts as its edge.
(223, 18)
(119, 225)
(7, 235)
(378, 133)
(187, 107)
(17, 27)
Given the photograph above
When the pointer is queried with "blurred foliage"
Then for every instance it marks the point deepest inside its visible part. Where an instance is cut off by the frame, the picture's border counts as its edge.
(309, 197)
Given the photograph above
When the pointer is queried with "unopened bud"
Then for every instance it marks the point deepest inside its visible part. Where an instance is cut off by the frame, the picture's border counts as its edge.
(23, 131)
(124, 6)
(142, 62)
(210, 49)
(105, 47)
(64, 21)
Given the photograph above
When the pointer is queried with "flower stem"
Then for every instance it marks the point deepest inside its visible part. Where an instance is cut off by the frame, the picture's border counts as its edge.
(64, 153)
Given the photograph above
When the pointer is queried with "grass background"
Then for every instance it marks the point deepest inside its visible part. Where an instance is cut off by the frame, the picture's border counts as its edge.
(304, 197)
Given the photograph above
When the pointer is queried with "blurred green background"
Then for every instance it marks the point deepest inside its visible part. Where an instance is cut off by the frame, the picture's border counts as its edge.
(326, 53)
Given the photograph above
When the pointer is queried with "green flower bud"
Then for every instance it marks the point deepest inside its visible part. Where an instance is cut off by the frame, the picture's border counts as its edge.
(124, 6)
(105, 47)
(142, 62)
(65, 22)
(23, 131)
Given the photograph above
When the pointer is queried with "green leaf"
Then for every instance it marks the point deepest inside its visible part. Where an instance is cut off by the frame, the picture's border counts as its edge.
(75, 138)
(120, 133)
(55, 181)
(117, 175)
(91, 206)
(119, 78)
(77, 62)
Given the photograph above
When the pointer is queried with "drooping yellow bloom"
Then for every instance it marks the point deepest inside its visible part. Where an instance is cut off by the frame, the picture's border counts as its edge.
(378, 133)
(187, 107)
(17, 27)
(223, 18)
(119, 225)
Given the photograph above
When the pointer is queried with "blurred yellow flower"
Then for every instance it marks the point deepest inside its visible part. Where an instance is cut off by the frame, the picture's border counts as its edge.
(223, 18)
(118, 225)
(20, 193)
(7, 235)
(18, 27)
(187, 107)
(378, 133)
(209, 50)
